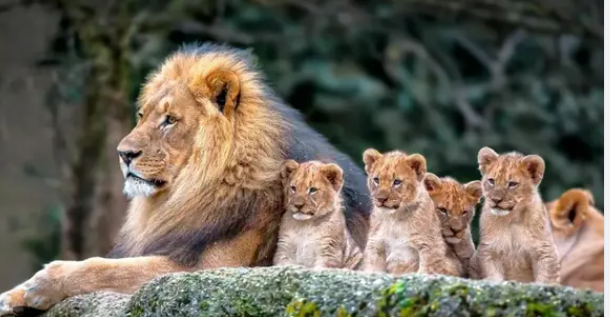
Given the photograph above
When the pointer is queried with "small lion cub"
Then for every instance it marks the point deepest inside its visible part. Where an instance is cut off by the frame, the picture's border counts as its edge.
(455, 205)
(405, 234)
(516, 242)
(313, 232)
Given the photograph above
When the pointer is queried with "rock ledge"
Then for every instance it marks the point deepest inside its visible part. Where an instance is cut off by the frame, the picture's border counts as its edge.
(291, 291)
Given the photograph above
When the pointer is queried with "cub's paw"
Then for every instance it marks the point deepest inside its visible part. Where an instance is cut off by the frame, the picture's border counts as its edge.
(11, 300)
(48, 287)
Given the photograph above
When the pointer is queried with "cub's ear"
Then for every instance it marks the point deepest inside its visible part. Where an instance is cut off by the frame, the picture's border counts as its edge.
(474, 189)
(486, 157)
(369, 157)
(222, 87)
(417, 163)
(288, 167)
(431, 182)
(534, 166)
(334, 174)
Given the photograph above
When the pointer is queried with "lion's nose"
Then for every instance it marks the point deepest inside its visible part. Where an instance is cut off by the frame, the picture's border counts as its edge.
(299, 205)
(496, 200)
(128, 155)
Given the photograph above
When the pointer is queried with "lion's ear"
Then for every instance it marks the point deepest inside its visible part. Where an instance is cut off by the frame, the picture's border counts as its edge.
(369, 157)
(431, 182)
(288, 167)
(334, 174)
(486, 157)
(474, 189)
(222, 87)
(534, 166)
(417, 163)
(571, 208)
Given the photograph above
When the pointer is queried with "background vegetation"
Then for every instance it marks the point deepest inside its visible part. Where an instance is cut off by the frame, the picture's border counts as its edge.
(438, 77)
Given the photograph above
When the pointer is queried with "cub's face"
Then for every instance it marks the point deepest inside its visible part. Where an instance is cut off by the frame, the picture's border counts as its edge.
(394, 178)
(508, 179)
(174, 118)
(454, 203)
(311, 189)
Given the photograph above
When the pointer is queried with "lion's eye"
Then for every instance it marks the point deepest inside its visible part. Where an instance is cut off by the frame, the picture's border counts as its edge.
(140, 115)
(293, 189)
(376, 180)
(312, 190)
(169, 120)
(397, 182)
(512, 184)
(491, 181)
(443, 211)
(464, 213)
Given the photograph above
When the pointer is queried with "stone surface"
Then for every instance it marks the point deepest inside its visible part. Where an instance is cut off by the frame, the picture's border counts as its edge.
(292, 291)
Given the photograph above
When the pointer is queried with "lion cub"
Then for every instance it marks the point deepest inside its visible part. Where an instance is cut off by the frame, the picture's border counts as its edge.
(454, 204)
(405, 234)
(516, 242)
(313, 232)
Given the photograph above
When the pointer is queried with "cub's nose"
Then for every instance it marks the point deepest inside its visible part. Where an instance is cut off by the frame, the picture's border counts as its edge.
(382, 200)
(128, 155)
(298, 205)
(496, 200)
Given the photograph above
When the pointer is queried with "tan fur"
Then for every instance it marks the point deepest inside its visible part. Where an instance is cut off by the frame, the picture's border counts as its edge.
(212, 161)
(578, 229)
(313, 190)
(405, 234)
(516, 242)
(455, 206)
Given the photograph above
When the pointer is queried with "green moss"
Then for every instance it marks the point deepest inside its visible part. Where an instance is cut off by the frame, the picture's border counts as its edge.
(290, 291)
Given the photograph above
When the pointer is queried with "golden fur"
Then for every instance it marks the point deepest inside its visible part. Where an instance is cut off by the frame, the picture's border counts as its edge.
(578, 229)
(405, 233)
(313, 231)
(201, 169)
(516, 242)
(455, 206)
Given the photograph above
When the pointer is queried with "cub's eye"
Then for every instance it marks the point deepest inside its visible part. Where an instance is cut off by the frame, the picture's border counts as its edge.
(512, 184)
(376, 180)
(464, 213)
(443, 211)
(293, 189)
(140, 115)
(397, 182)
(491, 181)
(312, 190)
(169, 120)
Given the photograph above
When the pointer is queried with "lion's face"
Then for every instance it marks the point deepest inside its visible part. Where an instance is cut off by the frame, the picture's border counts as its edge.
(174, 119)
(454, 204)
(394, 178)
(153, 153)
(508, 179)
(311, 189)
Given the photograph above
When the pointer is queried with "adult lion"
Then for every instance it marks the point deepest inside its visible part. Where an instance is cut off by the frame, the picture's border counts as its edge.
(202, 169)
(578, 230)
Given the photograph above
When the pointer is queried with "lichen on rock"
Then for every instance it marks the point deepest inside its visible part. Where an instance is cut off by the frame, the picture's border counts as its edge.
(291, 291)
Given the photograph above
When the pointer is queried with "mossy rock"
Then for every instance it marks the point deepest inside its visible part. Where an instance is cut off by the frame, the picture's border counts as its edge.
(291, 291)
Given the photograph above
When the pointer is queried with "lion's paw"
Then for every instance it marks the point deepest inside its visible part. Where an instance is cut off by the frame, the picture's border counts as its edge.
(11, 300)
(47, 287)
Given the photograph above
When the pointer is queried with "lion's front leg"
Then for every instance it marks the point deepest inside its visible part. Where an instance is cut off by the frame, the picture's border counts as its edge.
(59, 280)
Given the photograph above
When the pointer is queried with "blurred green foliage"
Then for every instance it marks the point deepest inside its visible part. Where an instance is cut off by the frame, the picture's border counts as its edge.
(388, 75)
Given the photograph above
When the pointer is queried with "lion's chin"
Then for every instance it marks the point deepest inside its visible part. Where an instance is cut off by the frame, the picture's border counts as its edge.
(135, 187)
(499, 212)
(300, 216)
(453, 240)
